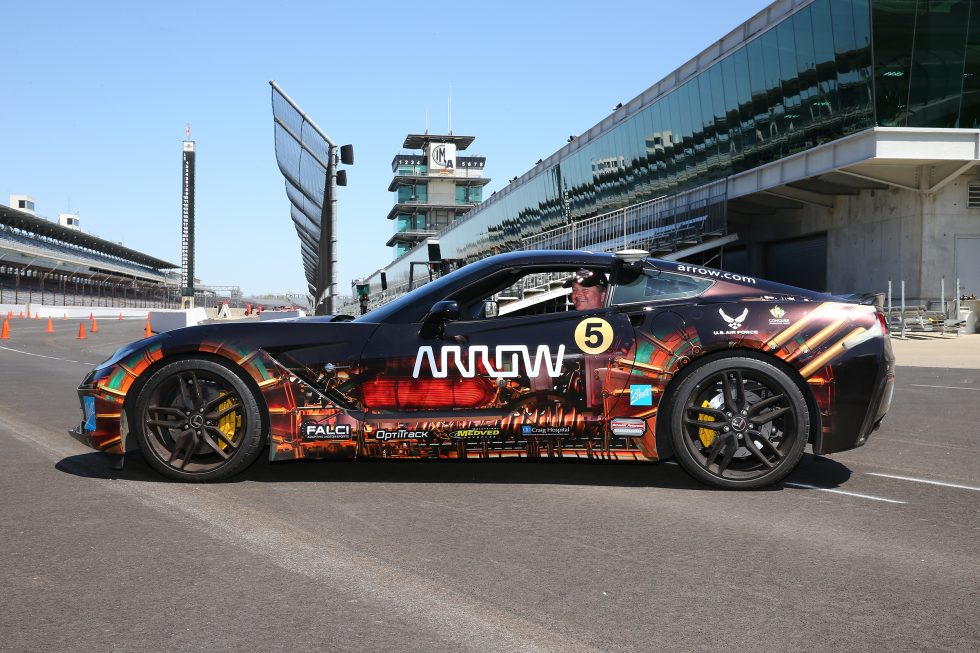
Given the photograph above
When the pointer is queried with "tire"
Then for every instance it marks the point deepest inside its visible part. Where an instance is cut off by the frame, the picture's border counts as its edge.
(749, 436)
(197, 419)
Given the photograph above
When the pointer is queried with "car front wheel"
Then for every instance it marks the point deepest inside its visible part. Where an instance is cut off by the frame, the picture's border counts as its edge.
(198, 420)
(739, 422)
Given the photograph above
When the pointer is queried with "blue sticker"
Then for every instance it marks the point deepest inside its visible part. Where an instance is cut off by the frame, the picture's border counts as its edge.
(89, 411)
(527, 429)
(641, 395)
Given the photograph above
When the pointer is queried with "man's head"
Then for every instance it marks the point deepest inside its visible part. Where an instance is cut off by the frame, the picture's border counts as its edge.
(588, 289)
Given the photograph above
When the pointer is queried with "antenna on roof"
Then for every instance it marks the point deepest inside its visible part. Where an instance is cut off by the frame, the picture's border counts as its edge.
(187, 130)
(450, 110)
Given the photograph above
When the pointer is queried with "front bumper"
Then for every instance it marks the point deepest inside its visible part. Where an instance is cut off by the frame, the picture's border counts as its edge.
(103, 423)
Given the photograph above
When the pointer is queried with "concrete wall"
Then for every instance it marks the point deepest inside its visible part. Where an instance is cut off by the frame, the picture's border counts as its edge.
(876, 236)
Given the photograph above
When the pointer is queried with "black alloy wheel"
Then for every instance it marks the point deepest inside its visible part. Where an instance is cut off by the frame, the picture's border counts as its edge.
(198, 420)
(739, 422)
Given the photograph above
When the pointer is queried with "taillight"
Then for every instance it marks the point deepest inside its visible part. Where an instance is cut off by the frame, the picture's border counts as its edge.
(882, 322)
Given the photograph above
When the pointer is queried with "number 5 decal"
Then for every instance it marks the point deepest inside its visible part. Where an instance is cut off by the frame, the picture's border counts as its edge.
(593, 335)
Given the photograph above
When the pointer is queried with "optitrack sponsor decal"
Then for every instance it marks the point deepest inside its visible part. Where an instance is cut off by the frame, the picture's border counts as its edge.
(532, 429)
(314, 431)
(505, 356)
(629, 426)
(735, 324)
(778, 316)
(477, 432)
(718, 274)
(400, 434)
(641, 395)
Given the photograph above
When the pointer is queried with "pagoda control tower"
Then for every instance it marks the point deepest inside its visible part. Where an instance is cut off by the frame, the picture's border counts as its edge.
(433, 188)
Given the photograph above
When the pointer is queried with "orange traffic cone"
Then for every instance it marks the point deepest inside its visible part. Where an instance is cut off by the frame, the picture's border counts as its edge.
(10, 315)
(5, 331)
(95, 326)
(147, 333)
(50, 328)
(120, 315)
(37, 315)
(90, 316)
(81, 331)
(21, 315)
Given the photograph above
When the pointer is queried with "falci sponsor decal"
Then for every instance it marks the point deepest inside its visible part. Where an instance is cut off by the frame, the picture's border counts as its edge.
(313, 431)
(778, 316)
(734, 324)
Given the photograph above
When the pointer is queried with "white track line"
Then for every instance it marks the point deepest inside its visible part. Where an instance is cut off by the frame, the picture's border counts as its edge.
(944, 387)
(54, 358)
(925, 480)
(850, 494)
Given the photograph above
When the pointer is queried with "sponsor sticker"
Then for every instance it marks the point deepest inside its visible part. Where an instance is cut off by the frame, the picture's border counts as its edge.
(533, 429)
(399, 434)
(718, 274)
(628, 426)
(641, 395)
(734, 324)
(507, 361)
(778, 316)
(477, 432)
(313, 431)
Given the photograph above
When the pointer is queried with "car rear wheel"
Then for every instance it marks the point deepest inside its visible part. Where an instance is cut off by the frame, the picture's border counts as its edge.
(739, 422)
(198, 420)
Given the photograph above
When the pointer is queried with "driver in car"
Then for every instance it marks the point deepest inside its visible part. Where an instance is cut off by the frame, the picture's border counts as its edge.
(588, 289)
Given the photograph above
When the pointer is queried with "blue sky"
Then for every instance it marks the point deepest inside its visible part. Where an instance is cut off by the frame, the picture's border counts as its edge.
(97, 96)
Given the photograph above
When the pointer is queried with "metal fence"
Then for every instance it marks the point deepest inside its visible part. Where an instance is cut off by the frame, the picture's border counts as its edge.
(659, 225)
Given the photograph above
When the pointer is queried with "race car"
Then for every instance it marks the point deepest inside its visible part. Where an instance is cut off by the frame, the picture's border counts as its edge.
(528, 355)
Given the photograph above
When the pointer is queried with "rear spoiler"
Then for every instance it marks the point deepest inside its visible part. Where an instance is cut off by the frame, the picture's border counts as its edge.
(876, 299)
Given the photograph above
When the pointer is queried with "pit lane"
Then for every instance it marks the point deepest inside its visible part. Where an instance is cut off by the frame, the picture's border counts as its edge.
(874, 548)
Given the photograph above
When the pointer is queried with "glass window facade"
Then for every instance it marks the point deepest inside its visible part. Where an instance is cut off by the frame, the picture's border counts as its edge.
(831, 68)
(412, 193)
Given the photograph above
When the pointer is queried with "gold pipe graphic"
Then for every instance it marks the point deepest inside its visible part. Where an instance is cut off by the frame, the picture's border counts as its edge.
(820, 337)
(790, 332)
(833, 352)
(642, 366)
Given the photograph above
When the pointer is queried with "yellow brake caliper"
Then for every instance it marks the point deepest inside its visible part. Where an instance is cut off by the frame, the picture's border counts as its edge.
(707, 435)
(228, 424)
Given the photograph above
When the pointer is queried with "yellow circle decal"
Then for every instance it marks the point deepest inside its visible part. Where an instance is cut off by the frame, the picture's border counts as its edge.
(593, 335)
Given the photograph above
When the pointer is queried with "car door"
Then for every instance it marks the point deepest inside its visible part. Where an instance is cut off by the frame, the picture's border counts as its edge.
(507, 386)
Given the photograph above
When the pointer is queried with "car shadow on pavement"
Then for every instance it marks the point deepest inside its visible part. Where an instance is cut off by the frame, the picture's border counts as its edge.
(814, 470)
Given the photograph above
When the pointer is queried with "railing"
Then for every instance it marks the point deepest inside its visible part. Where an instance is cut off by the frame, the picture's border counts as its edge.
(659, 225)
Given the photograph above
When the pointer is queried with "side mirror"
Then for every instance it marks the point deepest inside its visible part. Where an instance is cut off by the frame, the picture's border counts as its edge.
(491, 308)
(436, 318)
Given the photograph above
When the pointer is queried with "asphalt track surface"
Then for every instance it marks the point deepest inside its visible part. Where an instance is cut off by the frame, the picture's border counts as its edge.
(849, 554)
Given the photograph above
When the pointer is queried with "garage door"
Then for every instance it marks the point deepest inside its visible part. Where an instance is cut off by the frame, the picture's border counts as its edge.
(967, 255)
(799, 262)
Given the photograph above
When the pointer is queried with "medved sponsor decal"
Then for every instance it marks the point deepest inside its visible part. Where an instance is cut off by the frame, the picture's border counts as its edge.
(628, 426)
(313, 431)
(778, 316)
(641, 395)
(720, 274)
(533, 429)
(735, 324)
(399, 434)
(505, 356)
(477, 432)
